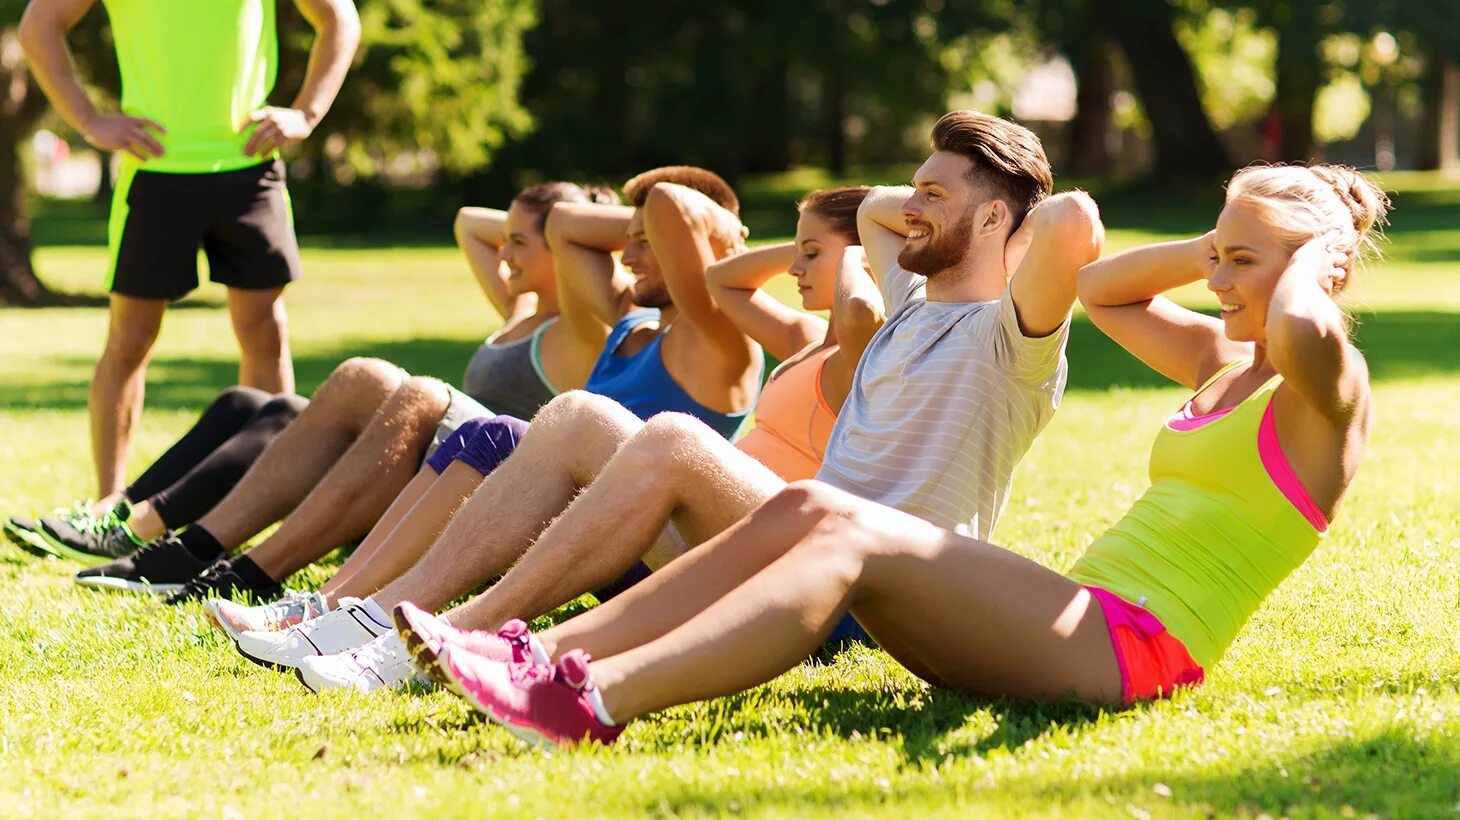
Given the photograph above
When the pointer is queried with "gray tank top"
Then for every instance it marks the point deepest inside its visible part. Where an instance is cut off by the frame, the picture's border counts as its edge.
(508, 378)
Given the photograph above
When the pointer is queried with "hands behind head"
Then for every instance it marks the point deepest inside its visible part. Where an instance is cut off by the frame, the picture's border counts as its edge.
(725, 231)
(854, 257)
(1324, 258)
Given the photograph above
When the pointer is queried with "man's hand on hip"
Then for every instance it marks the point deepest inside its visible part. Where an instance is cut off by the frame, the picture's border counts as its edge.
(119, 132)
(273, 127)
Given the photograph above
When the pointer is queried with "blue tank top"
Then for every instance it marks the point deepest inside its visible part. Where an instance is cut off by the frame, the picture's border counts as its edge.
(643, 385)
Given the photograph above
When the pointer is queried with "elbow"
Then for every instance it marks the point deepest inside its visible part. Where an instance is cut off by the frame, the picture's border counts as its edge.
(341, 24)
(1075, 218)
(1087, 285)
(858, 317)
(555, 227)
(32, 30)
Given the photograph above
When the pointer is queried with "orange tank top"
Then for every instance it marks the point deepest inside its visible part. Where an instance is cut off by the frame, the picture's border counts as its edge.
(792, 420)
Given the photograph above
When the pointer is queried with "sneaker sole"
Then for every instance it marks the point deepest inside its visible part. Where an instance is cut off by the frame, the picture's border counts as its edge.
(64, 550)
(110, 584)
(427, 659)
(277, 667)
(30, 542)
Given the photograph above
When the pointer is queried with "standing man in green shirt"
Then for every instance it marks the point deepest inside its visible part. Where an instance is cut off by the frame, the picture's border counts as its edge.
(200, 167)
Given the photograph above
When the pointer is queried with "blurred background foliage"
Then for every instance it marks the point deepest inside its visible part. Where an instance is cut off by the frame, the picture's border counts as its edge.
(454, 101)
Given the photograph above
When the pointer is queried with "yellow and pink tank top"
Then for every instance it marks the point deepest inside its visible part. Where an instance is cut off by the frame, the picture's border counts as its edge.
(793, 420)
(1224, 522)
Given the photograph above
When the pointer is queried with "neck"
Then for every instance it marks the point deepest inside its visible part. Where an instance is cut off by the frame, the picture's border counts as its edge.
(978, 278)
(547, 303)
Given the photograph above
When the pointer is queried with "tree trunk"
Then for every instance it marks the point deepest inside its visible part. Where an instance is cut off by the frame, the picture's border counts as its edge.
(1096, 77)
(19, 108)
(1186, 145)
(1440, 137)
(834, 109)
(1299, 76)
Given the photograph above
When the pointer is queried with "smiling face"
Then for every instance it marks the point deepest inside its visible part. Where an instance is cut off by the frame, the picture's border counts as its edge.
(818, 252)
(649, 287)
(529, 261)
(1248, 259)
(940, 215)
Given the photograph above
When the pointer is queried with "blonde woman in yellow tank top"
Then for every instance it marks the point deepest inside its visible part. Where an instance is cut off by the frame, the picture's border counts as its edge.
(798, 406)
(1244, 479)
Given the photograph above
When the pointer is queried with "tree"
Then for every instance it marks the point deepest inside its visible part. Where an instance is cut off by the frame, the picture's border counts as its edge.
(434, 80)
(1186, 145)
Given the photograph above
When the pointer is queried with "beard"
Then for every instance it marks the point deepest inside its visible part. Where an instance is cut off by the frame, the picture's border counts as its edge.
(654, 295)
(939, 253)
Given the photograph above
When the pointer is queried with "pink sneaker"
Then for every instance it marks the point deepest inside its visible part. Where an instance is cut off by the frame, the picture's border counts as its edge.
(425, 635)
(543, 705)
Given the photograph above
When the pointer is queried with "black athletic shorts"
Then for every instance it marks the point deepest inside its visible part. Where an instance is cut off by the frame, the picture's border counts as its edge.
(241, 219)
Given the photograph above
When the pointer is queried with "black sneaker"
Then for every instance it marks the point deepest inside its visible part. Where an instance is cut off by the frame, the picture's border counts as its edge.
(92, 546)
(26, 534)
(161, 568)
(223, 580)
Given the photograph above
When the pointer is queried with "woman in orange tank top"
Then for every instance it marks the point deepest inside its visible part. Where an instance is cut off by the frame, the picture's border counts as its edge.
(799, 404)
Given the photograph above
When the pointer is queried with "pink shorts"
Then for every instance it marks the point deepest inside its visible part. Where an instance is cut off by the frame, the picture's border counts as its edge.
(1152, 661)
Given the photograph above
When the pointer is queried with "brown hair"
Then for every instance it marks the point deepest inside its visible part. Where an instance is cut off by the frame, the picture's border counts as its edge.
(706, 182)
(540, 198)
(1007, 158)
(838, 206)
(1301, 202)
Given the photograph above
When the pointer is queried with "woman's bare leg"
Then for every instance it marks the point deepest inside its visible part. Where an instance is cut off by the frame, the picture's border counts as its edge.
(436, 499)
(980, 618)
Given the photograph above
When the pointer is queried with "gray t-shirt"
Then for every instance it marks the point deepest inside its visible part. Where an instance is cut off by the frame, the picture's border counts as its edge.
(947, 398)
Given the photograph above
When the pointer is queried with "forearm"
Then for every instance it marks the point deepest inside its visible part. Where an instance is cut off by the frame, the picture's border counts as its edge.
(752, 269)
(594, 227)
(478, 234)
(857, 308)
(883, 207)
(43, 39)
(337, 34)
(1305, 328)
(1141, 274)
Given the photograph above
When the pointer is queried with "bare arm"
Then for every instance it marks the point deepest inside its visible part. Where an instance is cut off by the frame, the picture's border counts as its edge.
(1308, 343)
(336, 27)
(882, 228)
(1061, 235)
(684, 229)
(583, 238)
(43, 31)
(735, 284)
(481, 233)
(857, 312)
(1122, 294)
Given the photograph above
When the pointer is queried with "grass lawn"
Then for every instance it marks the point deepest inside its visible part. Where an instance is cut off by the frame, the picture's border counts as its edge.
(1339, 698)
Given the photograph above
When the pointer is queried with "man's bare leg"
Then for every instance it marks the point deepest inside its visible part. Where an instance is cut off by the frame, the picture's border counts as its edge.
(432, 501)
(570, 440)
(262, 328)
(115, 399)
(356, 491)
(290, 467)
(676, 469)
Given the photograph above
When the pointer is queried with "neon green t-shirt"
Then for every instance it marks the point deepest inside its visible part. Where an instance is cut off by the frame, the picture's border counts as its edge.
(199, 68)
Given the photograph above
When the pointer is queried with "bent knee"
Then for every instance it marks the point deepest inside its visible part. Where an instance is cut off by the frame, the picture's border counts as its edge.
(361, 374)
(584, 409)
(243, 400)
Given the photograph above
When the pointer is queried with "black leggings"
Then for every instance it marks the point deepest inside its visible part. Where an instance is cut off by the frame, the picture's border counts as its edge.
(196, 472)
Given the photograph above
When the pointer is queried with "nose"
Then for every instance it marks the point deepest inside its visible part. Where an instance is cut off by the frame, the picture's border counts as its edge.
(1220, 279)
(910, 209)
(798, 267)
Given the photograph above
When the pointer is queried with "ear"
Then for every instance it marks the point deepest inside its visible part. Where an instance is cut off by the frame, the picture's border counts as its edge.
(993, 218)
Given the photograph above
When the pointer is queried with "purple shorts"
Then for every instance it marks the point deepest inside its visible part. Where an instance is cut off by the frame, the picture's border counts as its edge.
(482, 443)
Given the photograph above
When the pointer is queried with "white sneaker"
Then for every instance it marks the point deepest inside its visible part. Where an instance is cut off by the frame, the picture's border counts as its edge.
(293, 608)
(382, 663)
(349, 627)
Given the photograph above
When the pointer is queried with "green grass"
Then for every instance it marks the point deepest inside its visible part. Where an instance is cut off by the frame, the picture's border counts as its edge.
(1340, 697)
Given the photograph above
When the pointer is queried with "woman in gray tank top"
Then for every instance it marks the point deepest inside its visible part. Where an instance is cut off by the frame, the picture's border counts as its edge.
(510, 259)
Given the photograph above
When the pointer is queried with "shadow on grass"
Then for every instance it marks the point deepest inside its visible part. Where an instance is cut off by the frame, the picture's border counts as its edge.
(1389, 773)
(1399, 344)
